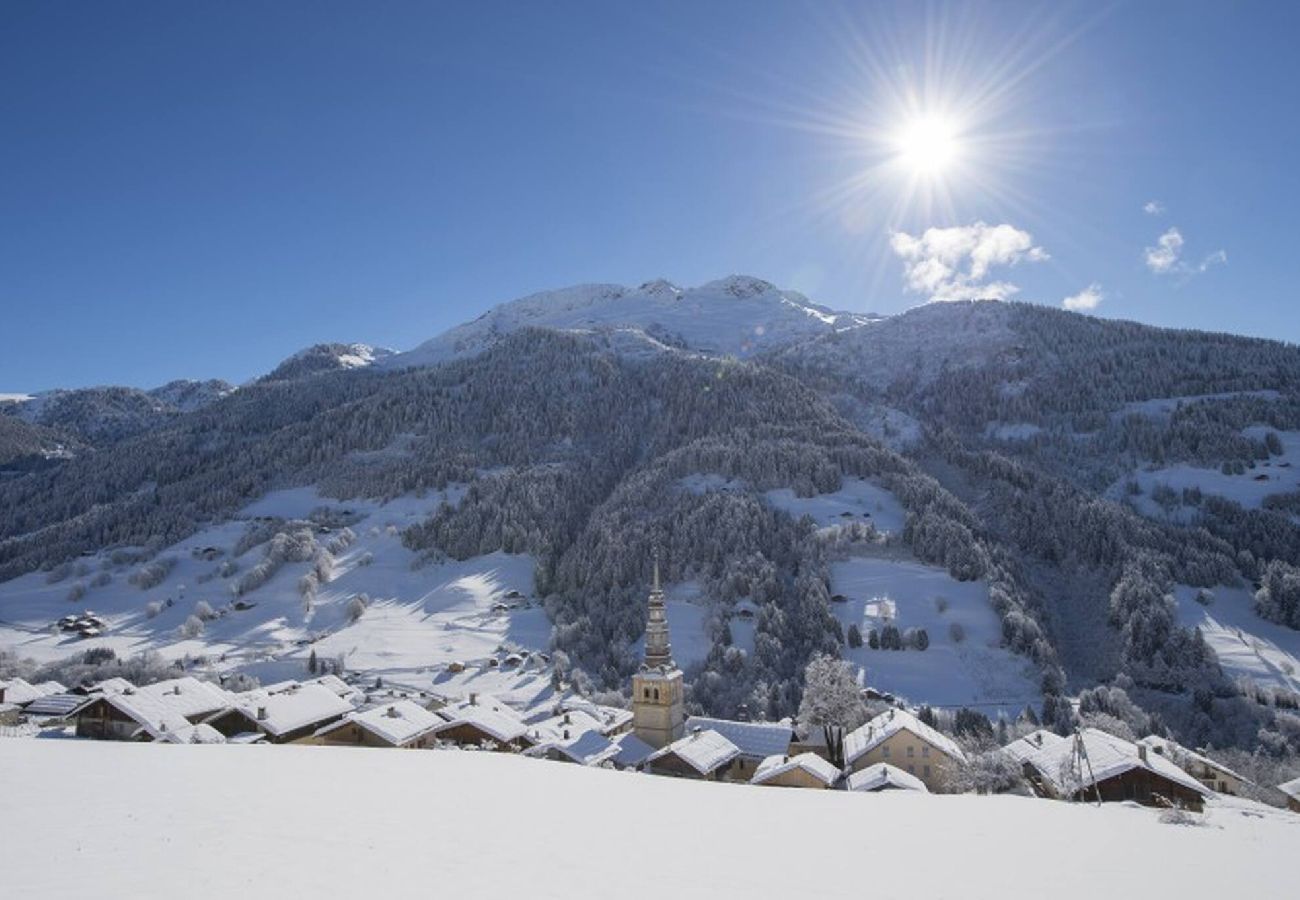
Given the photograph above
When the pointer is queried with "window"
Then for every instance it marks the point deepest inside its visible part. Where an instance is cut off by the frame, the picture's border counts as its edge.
(647, 693)
(925, 751)
(911, 769)
(884, 751)
(926, 771)
(656, 693)
(911, 751)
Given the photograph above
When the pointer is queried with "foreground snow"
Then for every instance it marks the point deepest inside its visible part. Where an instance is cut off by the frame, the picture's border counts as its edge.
(276, 821)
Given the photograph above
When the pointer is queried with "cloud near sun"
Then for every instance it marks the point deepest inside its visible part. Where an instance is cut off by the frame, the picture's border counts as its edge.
(957, 263)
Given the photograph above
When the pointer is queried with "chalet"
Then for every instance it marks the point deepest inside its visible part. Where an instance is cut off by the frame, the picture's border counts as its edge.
(401, 724)
(1026, 746)
(807, 770)
(19, 693)
(292, 715)
(147, 713)
(1292, 790)
(632, 751)
(483, 723)
(757, 741)
(9, 713)
(901, 739)
(590, 748)
(54, 706)
(701, 754)
(1214, 775)
(1095, 765)
(884, 777)
(608, 720)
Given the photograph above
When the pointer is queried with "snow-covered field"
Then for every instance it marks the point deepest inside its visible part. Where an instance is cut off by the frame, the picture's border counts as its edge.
(857, 500)
(230, 821)
(1277, 475)
(1247, 646)
(1163, 407)
(417, 620)
(974, 671)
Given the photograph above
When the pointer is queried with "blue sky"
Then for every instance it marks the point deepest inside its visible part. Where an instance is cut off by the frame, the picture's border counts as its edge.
(198, 190)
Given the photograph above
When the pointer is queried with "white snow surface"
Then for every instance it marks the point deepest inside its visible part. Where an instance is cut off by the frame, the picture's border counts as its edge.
(1246, 645)
(976, 671)
(159, 813)
(883, 776)
(857, 500)
(735, 316)
(417, 620)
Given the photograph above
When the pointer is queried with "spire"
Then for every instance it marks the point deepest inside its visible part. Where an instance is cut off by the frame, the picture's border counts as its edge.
(658, 651)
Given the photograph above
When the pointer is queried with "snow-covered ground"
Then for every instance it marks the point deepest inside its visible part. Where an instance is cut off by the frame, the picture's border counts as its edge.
(974, 671)
(1276, 475)
(857, 500)
(1163, 407)
(1247, 646)
(231, 821)
(418, 618)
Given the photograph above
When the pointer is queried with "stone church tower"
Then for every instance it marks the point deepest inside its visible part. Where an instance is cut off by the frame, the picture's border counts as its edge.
(658, 710)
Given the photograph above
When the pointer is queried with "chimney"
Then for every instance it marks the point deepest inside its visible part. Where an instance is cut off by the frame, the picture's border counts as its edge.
(567, 720)
(261, 713)
(1142, 752)
(176, 689)
(695, 732)
(473, 699)
(393, 713)
(566, 734)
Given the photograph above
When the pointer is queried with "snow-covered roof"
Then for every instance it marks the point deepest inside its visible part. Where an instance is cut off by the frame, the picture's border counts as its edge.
(114, 685)
(883, 776)
(779, 764)
(289, 710)
(193, 734)
(1108, 756)
(151, 713)
(703, 751)
(187, 696)
(884, 726)
(564, 727)
(487, 715)
(339, 687)
(632, 751)
(1291, 788)
(1027, 745)
(19, 692)
(1182, 756)
(51, 687)
(608, 718)
(397, 723)
(756, 740)
(591, 748)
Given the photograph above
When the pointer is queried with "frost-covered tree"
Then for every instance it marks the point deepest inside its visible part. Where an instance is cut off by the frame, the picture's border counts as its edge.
(832, 701)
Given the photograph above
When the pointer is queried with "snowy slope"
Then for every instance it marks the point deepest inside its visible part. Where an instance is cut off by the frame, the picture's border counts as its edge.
(418, 618)
(858, 500)
(735, 316)
(1246, 645)
(327, 358)
(232, 821)
(975, 671)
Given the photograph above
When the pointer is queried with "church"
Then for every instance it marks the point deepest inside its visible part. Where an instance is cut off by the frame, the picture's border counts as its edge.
(658, 700)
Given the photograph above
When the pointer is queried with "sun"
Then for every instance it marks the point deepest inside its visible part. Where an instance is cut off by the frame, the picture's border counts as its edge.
(927, 145)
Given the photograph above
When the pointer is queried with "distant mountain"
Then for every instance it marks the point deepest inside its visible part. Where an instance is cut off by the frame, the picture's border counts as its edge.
(328, 358)
(736, 316)
(102, 415)
(185, 395)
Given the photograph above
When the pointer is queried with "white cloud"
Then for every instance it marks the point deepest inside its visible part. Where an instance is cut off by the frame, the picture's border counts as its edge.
(1086, 299)
(956, 263)
(1165, 258)
(1153, 208)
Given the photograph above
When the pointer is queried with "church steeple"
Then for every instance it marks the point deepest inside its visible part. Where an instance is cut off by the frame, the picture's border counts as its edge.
(658, 651)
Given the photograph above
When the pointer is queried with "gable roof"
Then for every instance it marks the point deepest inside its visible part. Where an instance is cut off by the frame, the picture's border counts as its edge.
(187, 696)
(863, 740)
(811, 763)
(756, 740)
(19, 692)
(193, 734)
(493, 718)
(632, 751)
(1182, 756)
(1291, 788)
(397, 723)
(883, 776)
(1027, 745)
(55, 705)
(591, 748)
(703, 751)
(1108, 756)
(292, 709)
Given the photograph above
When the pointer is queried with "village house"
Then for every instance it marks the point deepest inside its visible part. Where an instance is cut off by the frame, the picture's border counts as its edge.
(884, 777)
(1027, 745)
(20, 693)
(807, 770)
(146, 713)
(483, 723)
(1292, 790)
(901, 739)
(1215, 776)
(291, 715)
(9, 713)
(701, 754)
(1095, 765)
(757, 741)
(401, 724)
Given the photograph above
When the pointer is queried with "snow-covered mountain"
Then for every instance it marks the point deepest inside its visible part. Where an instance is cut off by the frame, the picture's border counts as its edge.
(328, 358)
(735, 316)
(102, 415)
